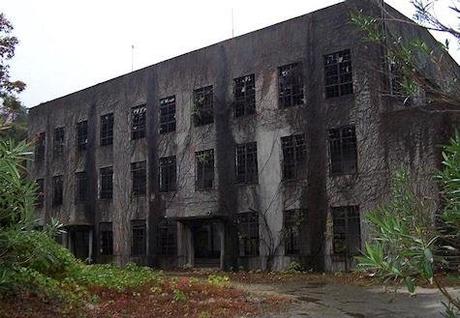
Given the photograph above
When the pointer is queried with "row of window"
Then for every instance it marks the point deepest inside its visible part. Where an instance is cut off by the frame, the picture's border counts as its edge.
(338, 82)
(346, 234)
(343, 160)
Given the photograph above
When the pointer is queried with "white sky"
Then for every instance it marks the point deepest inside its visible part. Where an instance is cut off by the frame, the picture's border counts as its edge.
(69, 45)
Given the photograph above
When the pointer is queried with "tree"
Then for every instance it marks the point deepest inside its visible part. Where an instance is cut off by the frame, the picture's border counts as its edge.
(10, 105)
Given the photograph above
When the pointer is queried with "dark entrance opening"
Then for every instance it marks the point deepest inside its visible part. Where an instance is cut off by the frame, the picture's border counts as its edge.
(80, 242)
(206, 244)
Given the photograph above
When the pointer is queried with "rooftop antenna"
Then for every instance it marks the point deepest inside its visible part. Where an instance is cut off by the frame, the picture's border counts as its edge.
(233, 26)
(132, 57)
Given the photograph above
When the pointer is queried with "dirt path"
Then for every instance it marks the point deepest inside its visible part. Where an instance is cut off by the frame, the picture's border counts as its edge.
(337, 300)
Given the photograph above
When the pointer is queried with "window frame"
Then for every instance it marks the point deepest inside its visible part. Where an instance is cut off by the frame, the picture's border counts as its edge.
(248, 234)
(291, 90)
(105, 238)
(244, 94)
(58, 190)
(246, 165)
(203, 111)
(338, 74)
(81, 187)
(297, 144)
(59, 142)
(345, 149)
(40, 147)
(141, 227)
(167, 114)
(40, 202)
(168, 174)
(292, 221)
(204, 170)
(167, 238)
(82, 135)
(106, 129)
(138, 121)
(138, 178)
(106, 184)
(350, 213)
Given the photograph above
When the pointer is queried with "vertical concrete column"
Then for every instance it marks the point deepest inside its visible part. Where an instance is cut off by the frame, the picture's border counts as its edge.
(221, 230)
(90, 246)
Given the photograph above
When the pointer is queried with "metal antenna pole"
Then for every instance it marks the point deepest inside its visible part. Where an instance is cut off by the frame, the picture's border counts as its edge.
(132, 57)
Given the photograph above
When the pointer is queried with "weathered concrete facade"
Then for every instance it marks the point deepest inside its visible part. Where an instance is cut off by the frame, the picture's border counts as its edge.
(388, 134)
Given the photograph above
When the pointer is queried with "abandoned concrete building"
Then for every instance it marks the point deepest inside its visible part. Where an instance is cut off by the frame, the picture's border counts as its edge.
(254, 152)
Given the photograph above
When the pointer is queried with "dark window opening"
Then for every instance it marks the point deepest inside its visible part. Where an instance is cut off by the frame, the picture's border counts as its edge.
(338, 74)
(106, 190)
(347, 230)
(167, 238)
(204, 169)
(139, 178)
(105, 238)
(290, 85)
(167, 114)
(82, 135)
(58, 143)
(168, 174)
(246, 163)
(40, 193)
(244, 90)
(248, 233)
(138, 239)
(343, 152)
(138, 115)
(58, 191)
(292, 221)
(294, 156)
(203, 112)
(40, 147)
(107, 129)
(82, 185)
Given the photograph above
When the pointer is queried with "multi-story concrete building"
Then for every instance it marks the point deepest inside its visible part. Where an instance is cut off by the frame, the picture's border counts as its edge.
(252, 152)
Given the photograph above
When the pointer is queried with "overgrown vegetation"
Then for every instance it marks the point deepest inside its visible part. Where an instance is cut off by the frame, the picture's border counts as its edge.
(407, 246)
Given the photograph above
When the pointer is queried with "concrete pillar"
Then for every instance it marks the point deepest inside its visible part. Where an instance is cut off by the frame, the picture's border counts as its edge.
(90, 246)
(221, 230)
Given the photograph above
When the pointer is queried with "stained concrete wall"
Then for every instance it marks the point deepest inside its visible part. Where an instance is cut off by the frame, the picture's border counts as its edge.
(382, 140)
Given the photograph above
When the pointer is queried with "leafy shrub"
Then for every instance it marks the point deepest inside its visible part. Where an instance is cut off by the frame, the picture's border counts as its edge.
(218, 280)
(295, 267)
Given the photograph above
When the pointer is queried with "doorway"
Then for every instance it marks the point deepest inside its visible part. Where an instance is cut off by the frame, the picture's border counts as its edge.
(206, 243)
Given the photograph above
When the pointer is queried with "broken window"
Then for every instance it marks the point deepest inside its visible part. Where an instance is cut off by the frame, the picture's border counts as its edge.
(246, 163)
(248, 233)
(204, 169)
(244, 91)
(138, 117)
(82, 135)
(58, 191)
(107, 129)
(343, 152)
(139, 178)
(106, 190)
(338, 74)
(167, 114)
(40, 147)
(168, 174)
(167, 238)
(347, 230)
(203, 108)
(81, 194)
(292, 223)
(58, 142)
(290, 85)
(294, 156)
(40, 193)
(105, 238)
(138, 238)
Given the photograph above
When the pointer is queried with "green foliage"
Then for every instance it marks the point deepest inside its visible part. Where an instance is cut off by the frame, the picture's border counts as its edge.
(218, 280)
(403, 248)
(179, 295)
(113, 277)
(403, 237)
(295, 267)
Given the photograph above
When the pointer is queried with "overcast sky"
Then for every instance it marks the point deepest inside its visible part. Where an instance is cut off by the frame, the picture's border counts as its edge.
(69, 45)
